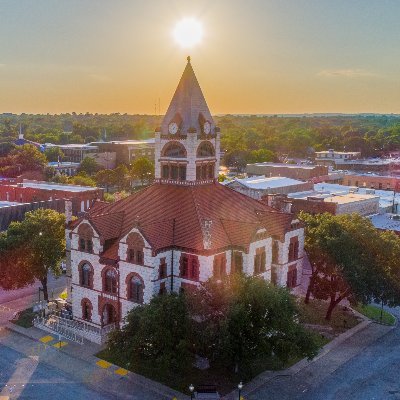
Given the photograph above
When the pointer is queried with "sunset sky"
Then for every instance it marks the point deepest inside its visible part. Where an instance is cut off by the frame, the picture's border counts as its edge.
(256, 56)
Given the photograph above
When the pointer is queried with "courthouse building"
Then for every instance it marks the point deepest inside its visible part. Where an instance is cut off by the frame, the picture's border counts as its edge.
(182, 230)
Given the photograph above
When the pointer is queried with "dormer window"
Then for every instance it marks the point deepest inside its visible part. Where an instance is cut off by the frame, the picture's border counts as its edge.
(134, 253)
(85, 241)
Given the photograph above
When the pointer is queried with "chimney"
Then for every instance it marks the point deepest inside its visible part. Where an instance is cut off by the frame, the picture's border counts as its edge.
(207, 224)
(68, 211)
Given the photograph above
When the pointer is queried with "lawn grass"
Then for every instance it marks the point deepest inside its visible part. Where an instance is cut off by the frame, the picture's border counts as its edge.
(314, 314)
(374, 313)
(25, 318)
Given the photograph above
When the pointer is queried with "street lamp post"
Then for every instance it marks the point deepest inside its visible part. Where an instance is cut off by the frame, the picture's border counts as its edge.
(191, 388)
(240, 387)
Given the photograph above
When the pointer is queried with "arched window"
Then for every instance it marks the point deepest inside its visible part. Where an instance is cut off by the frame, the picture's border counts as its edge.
(174, 150)
(85, 243)
(135, 254)
(109, 315)
(86, 275)
(110, 281)
(86, 309)
(205, 149)
(136, 290)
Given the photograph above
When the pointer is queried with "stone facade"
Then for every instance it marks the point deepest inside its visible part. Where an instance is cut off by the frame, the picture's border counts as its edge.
(275, 270)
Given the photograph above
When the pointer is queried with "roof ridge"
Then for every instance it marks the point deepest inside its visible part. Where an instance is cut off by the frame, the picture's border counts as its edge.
(199, 217)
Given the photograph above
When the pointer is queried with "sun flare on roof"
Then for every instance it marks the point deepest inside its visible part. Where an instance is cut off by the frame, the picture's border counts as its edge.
(188, 32)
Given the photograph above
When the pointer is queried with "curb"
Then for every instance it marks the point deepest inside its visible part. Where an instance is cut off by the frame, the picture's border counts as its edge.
(156, 387)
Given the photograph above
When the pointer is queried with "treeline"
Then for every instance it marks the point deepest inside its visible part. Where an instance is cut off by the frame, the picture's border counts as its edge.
(77, 128)
(243, 138)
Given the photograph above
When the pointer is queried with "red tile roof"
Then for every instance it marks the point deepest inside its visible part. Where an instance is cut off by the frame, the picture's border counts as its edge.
(173, 215)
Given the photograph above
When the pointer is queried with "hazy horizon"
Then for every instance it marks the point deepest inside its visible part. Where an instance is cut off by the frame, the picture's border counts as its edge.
(256, 57)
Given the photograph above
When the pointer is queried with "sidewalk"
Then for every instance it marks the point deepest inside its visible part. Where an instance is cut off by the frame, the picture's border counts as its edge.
(79, 362)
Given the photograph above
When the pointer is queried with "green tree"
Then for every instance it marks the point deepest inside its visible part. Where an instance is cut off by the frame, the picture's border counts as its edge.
(29, 157)
(244, 317)
(347, 261)
(89, 165)
(121, 174)
(54, 154)
(142, 169)
(105, 178)
(31, 249)
(156, 333)
(82, 179)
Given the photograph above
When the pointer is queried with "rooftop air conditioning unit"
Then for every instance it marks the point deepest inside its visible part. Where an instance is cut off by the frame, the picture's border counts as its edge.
(370, 191)
(396, 217)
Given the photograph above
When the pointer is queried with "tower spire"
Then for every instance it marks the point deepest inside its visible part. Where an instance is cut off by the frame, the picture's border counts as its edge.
(188, 142)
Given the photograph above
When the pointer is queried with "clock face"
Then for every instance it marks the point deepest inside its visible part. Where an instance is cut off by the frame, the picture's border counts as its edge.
(173, 128)
(207, 127)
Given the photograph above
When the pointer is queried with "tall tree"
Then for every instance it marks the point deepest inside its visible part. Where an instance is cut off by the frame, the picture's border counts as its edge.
(348, 261)
(54, 154)
(89, 165)
(105, 178)
(29, 157)
(242, 317)
(31, 249)
(142, 169)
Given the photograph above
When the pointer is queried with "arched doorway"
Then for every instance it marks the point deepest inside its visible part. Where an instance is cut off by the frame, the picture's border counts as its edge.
(109, 315)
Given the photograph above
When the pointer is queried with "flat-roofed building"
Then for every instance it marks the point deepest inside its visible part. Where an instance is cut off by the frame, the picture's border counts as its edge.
(127, 151)
(365, 165)
(294, 171)
(11, 211)
(373, 181)
(331, 157)
(30, 191)
(64, 168)
(386, 222)
(335, 203)
(258, 186)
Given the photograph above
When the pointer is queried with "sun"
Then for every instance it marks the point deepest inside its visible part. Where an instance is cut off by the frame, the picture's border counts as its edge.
(188, 32)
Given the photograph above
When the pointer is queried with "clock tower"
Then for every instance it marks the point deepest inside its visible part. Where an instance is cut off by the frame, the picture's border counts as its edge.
(187, 144)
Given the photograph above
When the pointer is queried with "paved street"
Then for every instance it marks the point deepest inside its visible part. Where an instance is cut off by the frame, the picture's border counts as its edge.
(356, 370)
(24, 377)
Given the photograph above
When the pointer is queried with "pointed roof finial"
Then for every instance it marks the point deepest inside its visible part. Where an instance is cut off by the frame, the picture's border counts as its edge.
(188, 59)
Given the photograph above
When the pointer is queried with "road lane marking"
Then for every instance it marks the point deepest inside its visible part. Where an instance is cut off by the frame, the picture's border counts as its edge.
(121, 371)
(103, 364)
(46, 339)
(58, 345)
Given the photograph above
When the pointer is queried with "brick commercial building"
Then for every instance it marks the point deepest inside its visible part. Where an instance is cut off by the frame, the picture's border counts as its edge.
(12, 211)
(28, 191)
(294, 171)
(178, 232)
(316, 203)
(372, 181)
